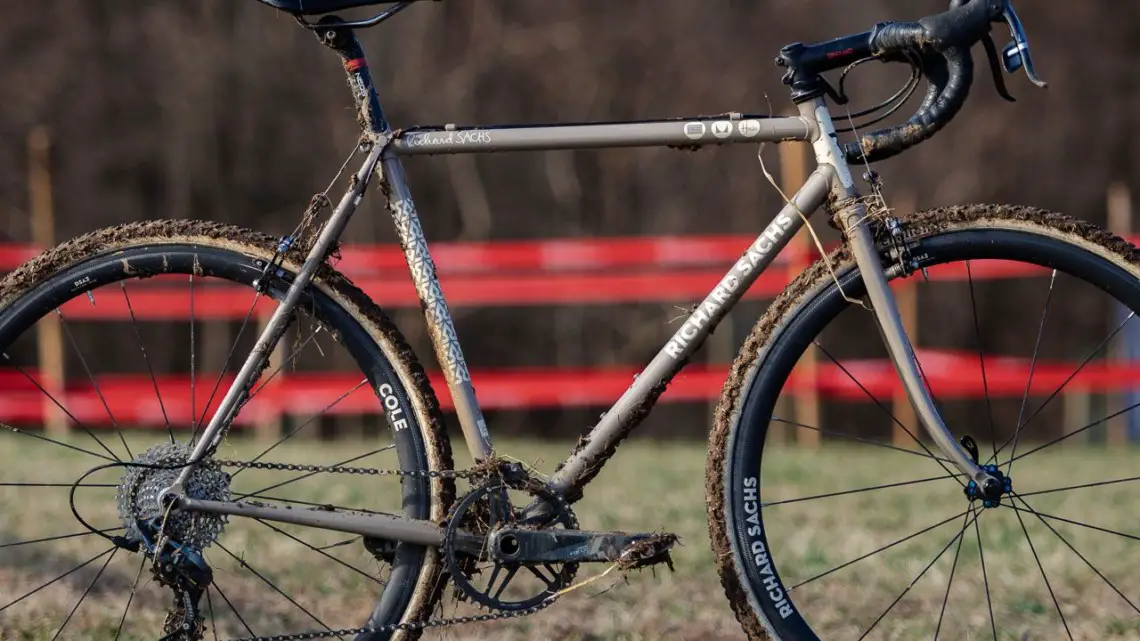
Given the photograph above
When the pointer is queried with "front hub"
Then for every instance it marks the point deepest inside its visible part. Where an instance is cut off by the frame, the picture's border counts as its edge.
(989, 496)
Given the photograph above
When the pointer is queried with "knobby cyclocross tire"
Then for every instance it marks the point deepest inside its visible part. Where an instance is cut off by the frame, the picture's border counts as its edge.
(140, 250)
(746, 562)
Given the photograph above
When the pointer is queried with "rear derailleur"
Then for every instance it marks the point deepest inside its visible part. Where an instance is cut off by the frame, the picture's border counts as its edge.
(182, 569)
(491, 545)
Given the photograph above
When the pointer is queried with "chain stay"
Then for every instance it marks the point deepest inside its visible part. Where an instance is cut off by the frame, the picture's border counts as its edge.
(393, 627)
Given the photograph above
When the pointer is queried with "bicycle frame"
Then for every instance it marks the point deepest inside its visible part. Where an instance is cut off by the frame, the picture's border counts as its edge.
(830, 182)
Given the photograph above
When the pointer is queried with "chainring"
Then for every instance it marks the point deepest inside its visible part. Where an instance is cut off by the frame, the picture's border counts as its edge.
(480, 512)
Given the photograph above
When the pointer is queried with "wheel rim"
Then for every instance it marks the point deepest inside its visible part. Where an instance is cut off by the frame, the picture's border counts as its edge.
(258, 558)
(827, 571)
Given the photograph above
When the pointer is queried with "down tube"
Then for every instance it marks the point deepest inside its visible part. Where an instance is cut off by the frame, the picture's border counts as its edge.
(599, 445)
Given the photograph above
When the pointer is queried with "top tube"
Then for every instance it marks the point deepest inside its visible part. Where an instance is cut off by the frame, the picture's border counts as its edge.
(684, 133)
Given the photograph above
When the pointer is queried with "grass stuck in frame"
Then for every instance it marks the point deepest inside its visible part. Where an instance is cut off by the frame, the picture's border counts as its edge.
(649, 486)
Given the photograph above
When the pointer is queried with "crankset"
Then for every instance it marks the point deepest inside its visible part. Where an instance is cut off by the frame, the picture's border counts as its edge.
(501, 560)
(629, 551)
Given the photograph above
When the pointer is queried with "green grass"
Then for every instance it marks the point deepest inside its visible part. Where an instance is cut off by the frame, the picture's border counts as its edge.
(648, 486)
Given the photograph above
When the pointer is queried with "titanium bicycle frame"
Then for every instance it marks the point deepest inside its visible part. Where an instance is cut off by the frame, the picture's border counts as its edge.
(830, 182)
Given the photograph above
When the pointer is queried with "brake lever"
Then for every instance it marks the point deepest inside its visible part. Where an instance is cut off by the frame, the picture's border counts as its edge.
(995, 68)
(1016, 54)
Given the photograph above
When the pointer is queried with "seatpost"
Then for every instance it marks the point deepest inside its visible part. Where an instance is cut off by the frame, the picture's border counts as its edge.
(343, 40)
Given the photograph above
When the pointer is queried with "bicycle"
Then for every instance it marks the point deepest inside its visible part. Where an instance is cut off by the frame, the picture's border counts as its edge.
(175, 500)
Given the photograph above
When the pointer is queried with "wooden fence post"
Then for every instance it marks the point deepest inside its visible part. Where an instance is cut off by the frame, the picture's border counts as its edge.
(793, 174)
(1119, 428)
(49, 335)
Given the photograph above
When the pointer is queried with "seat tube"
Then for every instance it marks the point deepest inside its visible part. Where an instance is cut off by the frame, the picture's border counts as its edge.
(852, 215)
(343, 41)
(444, 339)
(440, 326)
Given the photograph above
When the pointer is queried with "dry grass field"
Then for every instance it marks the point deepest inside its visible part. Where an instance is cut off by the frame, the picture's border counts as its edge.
(649, 486)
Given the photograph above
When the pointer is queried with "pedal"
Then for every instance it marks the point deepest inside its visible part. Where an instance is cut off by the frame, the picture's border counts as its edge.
(629, 551)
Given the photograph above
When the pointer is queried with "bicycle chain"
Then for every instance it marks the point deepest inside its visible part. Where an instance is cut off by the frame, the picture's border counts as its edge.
(416, 626)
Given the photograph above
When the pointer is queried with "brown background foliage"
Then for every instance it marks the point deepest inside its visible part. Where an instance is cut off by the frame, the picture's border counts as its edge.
(224, 109)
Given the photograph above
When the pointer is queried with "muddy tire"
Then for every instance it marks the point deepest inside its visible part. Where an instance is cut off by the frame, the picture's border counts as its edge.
(162, 248)
(749, 564)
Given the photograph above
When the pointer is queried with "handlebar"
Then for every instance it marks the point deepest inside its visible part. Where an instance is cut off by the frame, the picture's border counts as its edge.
(940, 44)
(943, 44)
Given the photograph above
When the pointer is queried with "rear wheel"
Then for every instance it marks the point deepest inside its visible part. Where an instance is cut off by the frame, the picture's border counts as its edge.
(874, 537)
(117, 300)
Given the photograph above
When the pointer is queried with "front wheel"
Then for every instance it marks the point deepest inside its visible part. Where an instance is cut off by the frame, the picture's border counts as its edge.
(871, 533)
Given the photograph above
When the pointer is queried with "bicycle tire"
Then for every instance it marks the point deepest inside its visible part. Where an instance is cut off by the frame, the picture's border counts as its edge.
(144, 249)
(758, 595)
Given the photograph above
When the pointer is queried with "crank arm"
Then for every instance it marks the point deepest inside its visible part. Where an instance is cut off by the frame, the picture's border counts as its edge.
(526, 546)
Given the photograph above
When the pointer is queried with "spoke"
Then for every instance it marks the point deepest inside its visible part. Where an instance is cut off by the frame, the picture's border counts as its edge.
(982, 359)
(85, 593)
(307, 475)
(1081, 487)
(226, 365)
(1075, 432)
(242, 562)
(193, 376)
(863, 489)
(78, 423)
(94, 383)
(953, 567)
(131, 597)
(149, 368)
(213, 621)
(16, 430)
(323, 506)
(882, 549)
(277, 370)
(926, 383)
(1096, 350)
(1079, 524)
(322, 552)
(916, 579)
(303, 425)
(1029, 384)
(65, 574)
(1079, 555)
(60, 537)
(885, 409)
(245, 625)
(1040, 567)
(341, 543)
(859, 439)
(985, 578)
